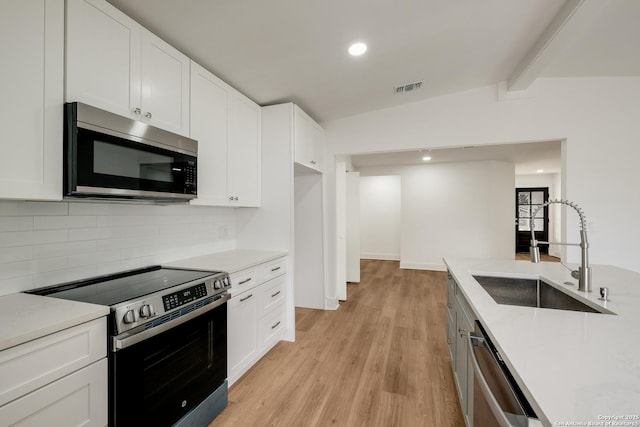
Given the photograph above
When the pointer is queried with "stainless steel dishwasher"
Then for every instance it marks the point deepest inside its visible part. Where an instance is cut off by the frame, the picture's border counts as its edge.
(497, 399)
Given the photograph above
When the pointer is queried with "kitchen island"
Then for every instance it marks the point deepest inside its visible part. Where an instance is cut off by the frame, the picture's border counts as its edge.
(574, 368)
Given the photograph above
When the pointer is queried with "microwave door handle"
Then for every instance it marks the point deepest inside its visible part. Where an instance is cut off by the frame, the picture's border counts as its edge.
(501, 418)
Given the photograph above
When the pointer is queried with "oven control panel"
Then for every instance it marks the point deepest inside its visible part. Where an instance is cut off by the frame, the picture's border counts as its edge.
(134, 314)
(184, 296)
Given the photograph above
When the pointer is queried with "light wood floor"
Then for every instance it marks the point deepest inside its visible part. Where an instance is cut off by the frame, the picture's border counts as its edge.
(379, 360)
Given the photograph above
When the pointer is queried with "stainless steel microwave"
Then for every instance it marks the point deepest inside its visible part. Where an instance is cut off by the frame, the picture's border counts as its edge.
(107, 156)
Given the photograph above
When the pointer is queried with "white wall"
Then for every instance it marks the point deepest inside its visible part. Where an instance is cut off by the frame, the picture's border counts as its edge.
(45, 243)
(552, 181)
(309, 289)
(454, 209)
(380, 216)
(598, 117)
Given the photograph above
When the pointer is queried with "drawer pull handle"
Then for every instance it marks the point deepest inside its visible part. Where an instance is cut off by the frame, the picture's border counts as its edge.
(275, 295)
(276, 325)
(244, 281)
(275, 269)
(245, 298)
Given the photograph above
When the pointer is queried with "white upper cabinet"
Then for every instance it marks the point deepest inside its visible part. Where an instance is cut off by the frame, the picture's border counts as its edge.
(31, 84)
(244, 150)
(115, 64)
(209, 126)
(227, 127)
(309, 143)
(164, 84)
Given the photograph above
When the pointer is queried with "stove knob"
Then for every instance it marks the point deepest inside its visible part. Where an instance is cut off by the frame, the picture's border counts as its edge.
(147, 310)
(217, 284)
(227, 281)
(130, 316)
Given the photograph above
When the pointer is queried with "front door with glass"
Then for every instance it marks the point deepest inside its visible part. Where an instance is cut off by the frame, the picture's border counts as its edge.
(527, 200)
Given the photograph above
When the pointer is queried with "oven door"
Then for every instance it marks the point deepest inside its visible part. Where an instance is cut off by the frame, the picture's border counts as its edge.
(159, 380)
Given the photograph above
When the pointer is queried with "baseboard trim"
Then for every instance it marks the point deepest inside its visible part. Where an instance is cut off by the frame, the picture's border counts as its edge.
(289, 335)
(331, 304)
(383, 257)
(423, 266)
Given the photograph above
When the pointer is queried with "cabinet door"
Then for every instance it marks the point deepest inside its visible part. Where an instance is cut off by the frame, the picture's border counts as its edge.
(244, 151)
(209, 126)
(308, 143)
(302, 137)
(451, 319)
(242, 337)
(316, 151)
(462, 357)
(103, 57)
(164, 84)
(31, 84)
(78, 399)
(271, 327)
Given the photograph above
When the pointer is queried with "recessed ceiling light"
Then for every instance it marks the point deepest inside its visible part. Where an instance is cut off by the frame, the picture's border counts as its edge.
(540, 171)
(426, 158)
(357, 49)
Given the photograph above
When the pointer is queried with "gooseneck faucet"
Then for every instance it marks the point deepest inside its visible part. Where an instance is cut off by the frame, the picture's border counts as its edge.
(583, 274)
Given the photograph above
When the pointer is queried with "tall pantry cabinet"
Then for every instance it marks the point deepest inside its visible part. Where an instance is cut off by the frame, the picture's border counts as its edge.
(292, 214)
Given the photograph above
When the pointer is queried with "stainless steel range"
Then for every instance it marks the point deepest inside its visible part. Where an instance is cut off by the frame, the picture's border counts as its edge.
(168, 341)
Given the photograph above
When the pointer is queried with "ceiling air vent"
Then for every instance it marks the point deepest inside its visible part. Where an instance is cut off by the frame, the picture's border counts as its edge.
(408, 87)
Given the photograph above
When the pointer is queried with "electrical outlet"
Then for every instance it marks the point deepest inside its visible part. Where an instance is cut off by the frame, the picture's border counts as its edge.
(591, 226)
(223, 231)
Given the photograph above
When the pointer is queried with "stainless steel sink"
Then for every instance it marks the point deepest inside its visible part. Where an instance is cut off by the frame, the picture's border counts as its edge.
(532, 293)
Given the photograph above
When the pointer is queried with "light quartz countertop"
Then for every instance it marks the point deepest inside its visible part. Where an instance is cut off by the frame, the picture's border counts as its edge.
(25, 317)
(574, 368)
(228, 261)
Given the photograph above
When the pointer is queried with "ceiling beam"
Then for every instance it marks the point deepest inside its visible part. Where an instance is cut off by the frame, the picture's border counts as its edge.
(568, 24)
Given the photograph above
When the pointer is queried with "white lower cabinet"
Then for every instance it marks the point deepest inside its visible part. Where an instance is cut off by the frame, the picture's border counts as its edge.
(79, 399)
(255, 315)
(271, 326)
(460, 323)
(57, 380)
(242, 341)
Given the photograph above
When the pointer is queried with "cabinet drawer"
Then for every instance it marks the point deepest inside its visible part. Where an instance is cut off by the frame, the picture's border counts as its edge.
(271, 327)
(77, 399)
(272, 294)
(28, 366)
(244, 280)
(274, 269)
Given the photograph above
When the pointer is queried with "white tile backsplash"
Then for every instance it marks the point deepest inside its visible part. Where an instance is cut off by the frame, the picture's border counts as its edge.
(16, 223)
(63, 222)
(45, 243)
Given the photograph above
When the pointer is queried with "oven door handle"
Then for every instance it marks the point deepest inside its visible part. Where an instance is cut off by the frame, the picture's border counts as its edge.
(125, 340)
(477, 340)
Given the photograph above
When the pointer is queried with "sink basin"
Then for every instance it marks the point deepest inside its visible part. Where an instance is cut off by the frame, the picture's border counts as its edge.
(531, 293)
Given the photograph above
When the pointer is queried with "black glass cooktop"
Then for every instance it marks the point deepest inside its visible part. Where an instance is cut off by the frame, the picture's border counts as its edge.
(114, 289)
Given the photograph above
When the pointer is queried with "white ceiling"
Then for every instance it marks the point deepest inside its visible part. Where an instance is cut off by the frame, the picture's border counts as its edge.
(296, 50)
(527, 157)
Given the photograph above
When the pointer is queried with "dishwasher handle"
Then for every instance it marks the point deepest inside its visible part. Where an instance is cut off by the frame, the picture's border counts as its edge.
(503, 418)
